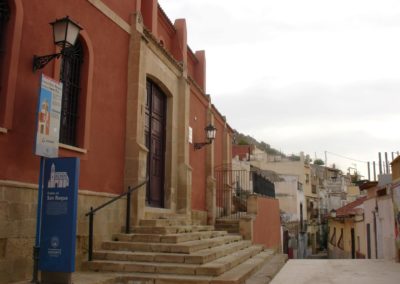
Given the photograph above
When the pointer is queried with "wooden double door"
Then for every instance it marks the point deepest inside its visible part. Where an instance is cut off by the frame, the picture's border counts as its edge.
(155, 122)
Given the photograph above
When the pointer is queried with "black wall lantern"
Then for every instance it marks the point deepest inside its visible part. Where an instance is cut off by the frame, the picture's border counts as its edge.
(65, 33)
(210, 134)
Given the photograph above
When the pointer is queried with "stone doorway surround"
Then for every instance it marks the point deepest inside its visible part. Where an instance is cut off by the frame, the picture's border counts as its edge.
(149, 60)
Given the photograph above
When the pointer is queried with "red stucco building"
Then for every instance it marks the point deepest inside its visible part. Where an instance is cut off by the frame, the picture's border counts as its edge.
(134, 105)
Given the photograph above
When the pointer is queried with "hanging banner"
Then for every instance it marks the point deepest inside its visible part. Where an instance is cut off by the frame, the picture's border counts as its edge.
(58, 230)
(48, 118)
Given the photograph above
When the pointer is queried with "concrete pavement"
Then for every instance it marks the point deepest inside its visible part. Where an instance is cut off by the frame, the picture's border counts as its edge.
(338, 271)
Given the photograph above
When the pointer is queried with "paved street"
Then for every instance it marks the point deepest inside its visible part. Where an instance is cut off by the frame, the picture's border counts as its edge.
(338, 271)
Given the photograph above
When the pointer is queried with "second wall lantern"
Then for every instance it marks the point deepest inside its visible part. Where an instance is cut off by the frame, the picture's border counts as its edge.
(211, 131)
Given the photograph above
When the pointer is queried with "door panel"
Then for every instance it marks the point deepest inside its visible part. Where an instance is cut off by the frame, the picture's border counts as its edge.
(155, 142)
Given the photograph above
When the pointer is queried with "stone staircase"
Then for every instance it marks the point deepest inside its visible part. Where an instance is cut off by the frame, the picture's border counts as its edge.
(229, 225)
(173, 250)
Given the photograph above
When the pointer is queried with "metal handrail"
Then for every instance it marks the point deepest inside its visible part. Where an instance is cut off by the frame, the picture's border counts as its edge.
(128, 213)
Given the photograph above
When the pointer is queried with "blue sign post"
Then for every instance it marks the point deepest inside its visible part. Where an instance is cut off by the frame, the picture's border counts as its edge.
(58, 225)
(46, 146)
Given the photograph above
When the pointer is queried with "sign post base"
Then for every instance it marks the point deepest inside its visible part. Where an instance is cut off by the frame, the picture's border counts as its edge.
(56, 277)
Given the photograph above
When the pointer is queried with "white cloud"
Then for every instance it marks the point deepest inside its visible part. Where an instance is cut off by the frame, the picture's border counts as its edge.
(306, 75)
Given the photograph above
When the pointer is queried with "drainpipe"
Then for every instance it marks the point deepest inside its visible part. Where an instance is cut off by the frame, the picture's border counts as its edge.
(376, 233)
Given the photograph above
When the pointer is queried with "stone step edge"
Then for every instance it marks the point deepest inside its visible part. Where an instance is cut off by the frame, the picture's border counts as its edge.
(214, 268)
(174, 226)
(198, 257)
(186, 247)
(225, 278)
(168, 238)
(243, 271)
(165, 222)
(164, 278)
(269, 269)
(228, 262)
(170, 229)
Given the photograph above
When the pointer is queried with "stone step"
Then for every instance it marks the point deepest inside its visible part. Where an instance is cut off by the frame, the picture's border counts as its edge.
(223, 264)
(226, 221)
(237, 275)
(207, 255)
(241, 272)
(186, 247)
(268, 270)
(199, 257)
(229, 225)
(169, 238)
(170, 229)
(214, 268)
(162, 213)
(165, 222)
(162, 278)
(229, 229)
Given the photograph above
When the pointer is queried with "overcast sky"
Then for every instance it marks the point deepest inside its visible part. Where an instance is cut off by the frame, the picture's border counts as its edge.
(303, 75)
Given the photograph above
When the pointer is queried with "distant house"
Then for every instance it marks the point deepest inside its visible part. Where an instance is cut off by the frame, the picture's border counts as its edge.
(347, 238)
(396, 202)
(379, 219)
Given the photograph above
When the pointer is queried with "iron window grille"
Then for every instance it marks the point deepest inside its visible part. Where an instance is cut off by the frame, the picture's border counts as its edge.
(340, 243)
(4, 17)
(332, 240)
(70, 77)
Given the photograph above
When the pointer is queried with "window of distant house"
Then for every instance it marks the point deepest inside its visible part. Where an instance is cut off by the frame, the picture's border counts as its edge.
(4, 17)
(299, 186)
(332, 240)
(70, 76)
(307, 178)
(314, 189)
(340, 243)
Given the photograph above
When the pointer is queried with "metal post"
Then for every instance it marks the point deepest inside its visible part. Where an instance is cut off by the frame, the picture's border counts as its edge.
(387, 163)
(35, 264)
(374, 168)
(128, 211)
(90, 255)
(380, 164)
(369, 171)
(36, 247)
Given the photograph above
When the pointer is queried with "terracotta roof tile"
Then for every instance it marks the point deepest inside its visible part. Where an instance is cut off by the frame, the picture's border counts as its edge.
(349, 209)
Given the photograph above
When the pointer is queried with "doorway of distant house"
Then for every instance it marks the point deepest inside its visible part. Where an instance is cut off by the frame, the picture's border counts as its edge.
(155, 116)
(368, 241)
(353, 244)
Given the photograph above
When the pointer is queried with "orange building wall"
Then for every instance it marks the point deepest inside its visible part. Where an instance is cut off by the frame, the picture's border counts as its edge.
(191, 63)
(197, 158)
(267, 225)
(166, 31)
(124, 8)
(218, 143)
(242, 151)
(102, 167)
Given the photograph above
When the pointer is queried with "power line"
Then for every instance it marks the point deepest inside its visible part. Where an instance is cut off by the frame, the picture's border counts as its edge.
(346, 157)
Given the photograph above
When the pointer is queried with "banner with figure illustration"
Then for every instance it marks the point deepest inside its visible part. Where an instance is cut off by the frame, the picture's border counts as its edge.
(48, 118)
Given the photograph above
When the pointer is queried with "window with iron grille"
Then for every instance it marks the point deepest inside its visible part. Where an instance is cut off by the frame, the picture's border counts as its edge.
(314, 189)
(4, 16)
(70, 77)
